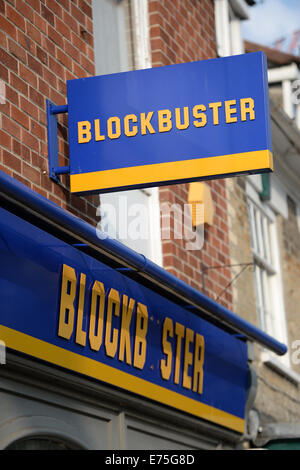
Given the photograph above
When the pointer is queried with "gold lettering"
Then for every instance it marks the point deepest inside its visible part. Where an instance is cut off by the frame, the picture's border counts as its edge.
(188, 358)
(215, 107)
(113, 303)
(140, 336)
(98, 135)
(229, 111)
(145, 123)
(125, 329)
(80, 333)
(199, 114)
(166, 364)
(186, 118)
(179, 331)
(113, 122)
(98, 300)
(247, 107)
(67, 298)
(84, 132)
(198, 364)
(130, 132)
(164, 120)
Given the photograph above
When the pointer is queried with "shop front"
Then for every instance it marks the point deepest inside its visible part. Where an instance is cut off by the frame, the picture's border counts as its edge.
(106, 350)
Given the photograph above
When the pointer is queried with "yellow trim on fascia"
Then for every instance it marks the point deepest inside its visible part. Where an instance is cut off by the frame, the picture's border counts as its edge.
(62, 357)
(172, 171)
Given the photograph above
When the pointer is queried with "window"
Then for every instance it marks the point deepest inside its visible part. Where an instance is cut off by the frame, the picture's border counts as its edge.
(122, 44)
(228, 17)
(267, 276)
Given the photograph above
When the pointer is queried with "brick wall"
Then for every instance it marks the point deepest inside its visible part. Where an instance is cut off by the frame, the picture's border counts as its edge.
(289, 240)
(43, 43)
(184, 31)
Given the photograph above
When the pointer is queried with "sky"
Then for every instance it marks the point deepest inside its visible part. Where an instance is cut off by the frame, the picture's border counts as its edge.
(271, 20)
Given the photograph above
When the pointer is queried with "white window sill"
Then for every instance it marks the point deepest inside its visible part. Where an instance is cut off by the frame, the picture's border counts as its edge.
(275, 364)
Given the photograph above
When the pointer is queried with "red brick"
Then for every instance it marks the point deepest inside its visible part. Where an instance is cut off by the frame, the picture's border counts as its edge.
(20, 117)
(5, 139)
(10, 126)
(26, 42)
(70, 21)
(31, 174)
(18, 84)
(24, 10)
(28, 107)
(29, 140)
(22, 180)
(27, 75)
(48, 46)
(11, 161)
(16, 50)
(36, 97)
(47, 14)
(11, 95)
(76, 13)
(8, 27)
(41, 55)
(62, 28)
(34, 65)
(64, 59)
(40, 23)
(85, 8)
(8, 60)
(55, 7)
(55, 37)
(3, 73)
(65, 4)
(35, 4)
(15, 17)
(37, 130)
(33, 33)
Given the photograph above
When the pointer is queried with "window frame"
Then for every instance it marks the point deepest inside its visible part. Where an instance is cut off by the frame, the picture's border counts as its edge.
(274, 322)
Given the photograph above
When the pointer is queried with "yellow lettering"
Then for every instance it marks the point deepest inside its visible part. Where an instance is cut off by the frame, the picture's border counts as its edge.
(125, 329)
(247, 107)
(98, 135)
(97, 308)
(199, 114)
(140, 336)
(164, 120)
(145, 123)
(84, 132)
(113, 303)
(130, 132)
(166, 365)
(186, 118)
(229, 111)
(188, 358)
(198, 364)
(80, 333)
(215, 107)
(67, 298)
(113, 122)
(179, 331)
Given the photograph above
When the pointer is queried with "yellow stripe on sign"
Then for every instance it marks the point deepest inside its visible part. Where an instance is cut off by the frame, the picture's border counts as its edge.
(84, 365)
(172, 171)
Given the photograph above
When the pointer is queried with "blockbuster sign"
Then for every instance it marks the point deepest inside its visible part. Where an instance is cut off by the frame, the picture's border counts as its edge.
(168, 125)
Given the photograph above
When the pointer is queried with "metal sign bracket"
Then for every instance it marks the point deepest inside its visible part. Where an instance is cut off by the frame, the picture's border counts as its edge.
(54, 169)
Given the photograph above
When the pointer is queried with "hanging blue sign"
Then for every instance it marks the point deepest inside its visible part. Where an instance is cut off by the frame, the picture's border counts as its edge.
(169, 124)
(69, 309)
